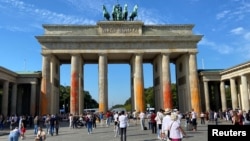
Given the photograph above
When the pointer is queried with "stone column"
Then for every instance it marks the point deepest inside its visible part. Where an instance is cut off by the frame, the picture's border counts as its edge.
(207, 100)
(33, 99)
(138, 84)
(166, 82)
(14, 99)
(193, 82)
(81, 94)
(5, 98)
(217, 96)
(233, 93)
(244, 93)
(103, 83)
(223, 96)
(45, 86)
(74, 91)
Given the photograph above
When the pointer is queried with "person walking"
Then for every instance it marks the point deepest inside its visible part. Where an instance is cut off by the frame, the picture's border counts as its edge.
(142, 120)
(158, 119)
(123, 120)
(70, 121)
(57, 124)
(202, 116)
(89, 121)
(176, 133)
(52, 125)
(153, 122)
(36, 122)
(117, 125)
(194, 119)
(165, 121)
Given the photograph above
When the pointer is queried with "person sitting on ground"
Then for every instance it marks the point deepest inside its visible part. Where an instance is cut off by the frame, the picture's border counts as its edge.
(41, 135)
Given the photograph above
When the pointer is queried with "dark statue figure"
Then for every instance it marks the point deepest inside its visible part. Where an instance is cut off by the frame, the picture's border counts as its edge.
(134, 13)
(105, 13)
(119, 14)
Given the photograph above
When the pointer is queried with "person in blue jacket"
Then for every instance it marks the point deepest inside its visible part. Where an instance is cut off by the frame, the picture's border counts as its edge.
(14, 134)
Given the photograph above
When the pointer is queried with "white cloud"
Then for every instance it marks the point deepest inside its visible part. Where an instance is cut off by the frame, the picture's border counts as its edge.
(247, 36)
(237, 31)
(221, 48)
(222, 14)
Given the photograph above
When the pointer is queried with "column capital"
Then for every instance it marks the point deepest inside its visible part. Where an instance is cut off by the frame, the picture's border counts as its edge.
(192, 53)
(165, 53)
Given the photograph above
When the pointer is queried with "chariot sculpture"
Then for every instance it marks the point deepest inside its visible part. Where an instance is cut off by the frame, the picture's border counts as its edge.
(119, 13)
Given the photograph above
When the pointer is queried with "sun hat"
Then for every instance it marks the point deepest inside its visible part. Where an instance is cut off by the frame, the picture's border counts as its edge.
(167, 111)
(173, 116)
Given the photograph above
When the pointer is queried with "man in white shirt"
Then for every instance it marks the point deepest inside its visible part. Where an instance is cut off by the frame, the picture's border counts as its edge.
(142, 119)
(123, 120)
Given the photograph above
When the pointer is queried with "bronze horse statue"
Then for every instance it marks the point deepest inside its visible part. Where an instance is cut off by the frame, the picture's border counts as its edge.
(125, 12)
(105, 13)
(134, 13)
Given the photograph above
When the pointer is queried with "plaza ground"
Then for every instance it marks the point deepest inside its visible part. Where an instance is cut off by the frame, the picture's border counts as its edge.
(134, 133)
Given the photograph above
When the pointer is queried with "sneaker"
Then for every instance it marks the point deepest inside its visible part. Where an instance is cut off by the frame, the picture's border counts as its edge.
(88, 132)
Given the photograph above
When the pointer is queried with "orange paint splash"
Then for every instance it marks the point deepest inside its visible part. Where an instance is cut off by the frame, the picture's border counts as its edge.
(167, 97)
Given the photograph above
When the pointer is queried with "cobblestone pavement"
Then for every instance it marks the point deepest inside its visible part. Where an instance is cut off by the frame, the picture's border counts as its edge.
(134, 133)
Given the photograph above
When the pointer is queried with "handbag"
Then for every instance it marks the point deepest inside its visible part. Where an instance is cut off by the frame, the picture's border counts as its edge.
(169, 131)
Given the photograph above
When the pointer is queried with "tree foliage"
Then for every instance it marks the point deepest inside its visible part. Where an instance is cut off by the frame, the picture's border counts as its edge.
(64, 94)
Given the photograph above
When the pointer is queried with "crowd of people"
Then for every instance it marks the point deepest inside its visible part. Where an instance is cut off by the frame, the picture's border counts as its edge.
(165, 124)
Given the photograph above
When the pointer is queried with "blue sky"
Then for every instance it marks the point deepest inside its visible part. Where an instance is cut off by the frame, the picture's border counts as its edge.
(224, 24)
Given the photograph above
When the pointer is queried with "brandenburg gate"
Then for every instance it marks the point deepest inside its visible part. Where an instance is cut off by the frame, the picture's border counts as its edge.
(120, 42)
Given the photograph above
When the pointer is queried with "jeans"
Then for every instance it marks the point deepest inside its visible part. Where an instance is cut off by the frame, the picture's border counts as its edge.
(142, 123)
(123, 133)
(89, 126)
(13, 138)
(35, 129)
(52, 127)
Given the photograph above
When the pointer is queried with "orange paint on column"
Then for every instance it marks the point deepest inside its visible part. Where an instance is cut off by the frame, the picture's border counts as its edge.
(139, 97)
(195, 97)
(74, 101)
(167, 96)
(44, 100)
(101, 107)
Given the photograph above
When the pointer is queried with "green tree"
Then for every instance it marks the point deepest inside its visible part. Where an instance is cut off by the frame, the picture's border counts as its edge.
(64, 96)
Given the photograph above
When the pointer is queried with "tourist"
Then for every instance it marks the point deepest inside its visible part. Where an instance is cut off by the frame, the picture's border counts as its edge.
(36, 122)
(149, 120)
(117, 125)
(176, 133)
(52, 124)
(41, 135)
(202, 116)
(89, 122)
(123, 120)
(235, 118)
(57, 123)
(115, 120)
(194, 119)
(153, 122)
(135, 116)
(14, 134)
(159, 118)
(165, 121)
(70, 121)
(142, 120)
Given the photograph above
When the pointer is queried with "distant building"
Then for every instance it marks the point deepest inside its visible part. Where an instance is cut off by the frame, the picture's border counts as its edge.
(19, 92)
